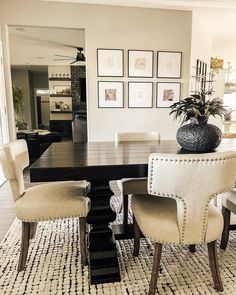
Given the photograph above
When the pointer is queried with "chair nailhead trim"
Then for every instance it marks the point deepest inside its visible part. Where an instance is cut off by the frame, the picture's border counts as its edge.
(173, 196)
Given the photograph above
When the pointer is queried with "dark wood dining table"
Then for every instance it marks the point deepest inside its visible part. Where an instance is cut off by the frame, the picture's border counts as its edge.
(98, 163)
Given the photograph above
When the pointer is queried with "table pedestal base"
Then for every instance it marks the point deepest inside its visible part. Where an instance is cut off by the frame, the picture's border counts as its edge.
(104, 266)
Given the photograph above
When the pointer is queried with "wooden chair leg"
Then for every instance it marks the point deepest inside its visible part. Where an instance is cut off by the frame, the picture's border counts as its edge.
(33, 227)
(155, 268)
(213, 261)
(225, 234)
(125, 209)
(24, 245)
(136, 238)
(82, 231)
(192, 248)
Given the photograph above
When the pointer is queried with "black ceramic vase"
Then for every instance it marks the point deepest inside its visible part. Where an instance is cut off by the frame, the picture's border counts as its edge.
(199, 136)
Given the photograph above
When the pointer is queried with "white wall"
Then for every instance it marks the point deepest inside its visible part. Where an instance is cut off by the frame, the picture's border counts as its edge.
(10, 118)
(201, 48)
(4, 136)
(114, 27)
(224, 46)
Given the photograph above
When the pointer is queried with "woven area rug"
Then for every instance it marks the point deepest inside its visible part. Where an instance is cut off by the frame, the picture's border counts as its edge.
(54, 266)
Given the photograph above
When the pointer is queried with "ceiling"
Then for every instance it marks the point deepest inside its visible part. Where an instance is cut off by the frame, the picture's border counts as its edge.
(172, 4)
(38, 45)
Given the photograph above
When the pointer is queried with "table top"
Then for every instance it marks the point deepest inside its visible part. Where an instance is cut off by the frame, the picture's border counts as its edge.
(103, 160)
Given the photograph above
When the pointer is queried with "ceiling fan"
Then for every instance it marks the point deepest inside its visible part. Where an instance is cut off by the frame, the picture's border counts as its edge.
(79, 56)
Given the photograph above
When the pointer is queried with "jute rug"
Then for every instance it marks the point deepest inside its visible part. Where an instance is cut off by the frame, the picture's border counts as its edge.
(54, 266)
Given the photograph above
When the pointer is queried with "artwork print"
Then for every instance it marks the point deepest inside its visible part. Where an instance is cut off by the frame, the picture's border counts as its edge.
(110, 94)
(167, 94)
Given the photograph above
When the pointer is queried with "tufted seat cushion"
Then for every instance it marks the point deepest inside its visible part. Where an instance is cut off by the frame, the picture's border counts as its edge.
(53, 201)
(133, 185)
(157, 219)
(229, 200)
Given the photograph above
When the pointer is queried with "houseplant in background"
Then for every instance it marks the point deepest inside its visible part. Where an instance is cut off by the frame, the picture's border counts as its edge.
(228, 114)
(18, 101)
(198, 135)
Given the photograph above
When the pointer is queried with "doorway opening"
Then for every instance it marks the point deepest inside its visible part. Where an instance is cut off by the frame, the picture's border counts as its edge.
(44, 65)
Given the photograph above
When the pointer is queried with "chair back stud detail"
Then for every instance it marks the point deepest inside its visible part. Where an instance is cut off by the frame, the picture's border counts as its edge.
(193, 181)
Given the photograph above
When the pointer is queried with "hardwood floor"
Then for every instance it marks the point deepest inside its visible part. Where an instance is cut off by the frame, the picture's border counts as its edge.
(7, 209)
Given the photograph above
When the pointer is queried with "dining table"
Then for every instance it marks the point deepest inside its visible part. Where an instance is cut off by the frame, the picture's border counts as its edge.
(99, 163)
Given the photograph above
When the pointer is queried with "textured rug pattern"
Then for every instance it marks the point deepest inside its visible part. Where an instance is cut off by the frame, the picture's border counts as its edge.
(54, 265)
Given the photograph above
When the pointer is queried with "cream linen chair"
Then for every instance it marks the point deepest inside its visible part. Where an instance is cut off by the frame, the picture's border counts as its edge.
(228, 200)
(43, 202)
(179, 208)
(130, 186)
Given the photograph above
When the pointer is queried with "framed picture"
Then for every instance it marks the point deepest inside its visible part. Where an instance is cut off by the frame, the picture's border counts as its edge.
(140, 94)
(140, 63)
(110, 94)
(169, 64)
(110, 62)
(167, 94)
(61, 90)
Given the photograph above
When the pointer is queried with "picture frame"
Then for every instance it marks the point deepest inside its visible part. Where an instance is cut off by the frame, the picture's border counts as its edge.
(169, 64)
(110, 62)
(140, 63)
(110, 94)
(167, 93)
(61, 90)
(140, 94)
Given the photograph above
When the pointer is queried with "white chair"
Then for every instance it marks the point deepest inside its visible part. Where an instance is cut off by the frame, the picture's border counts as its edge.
(129, 186)
(50, 201)
(179, 208)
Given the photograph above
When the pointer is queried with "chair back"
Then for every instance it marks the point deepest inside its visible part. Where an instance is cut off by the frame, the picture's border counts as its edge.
(137, 136)
(14, 159)
(192, 180)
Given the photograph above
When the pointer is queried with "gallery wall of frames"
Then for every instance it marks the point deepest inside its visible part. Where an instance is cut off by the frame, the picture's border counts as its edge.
(153, 78)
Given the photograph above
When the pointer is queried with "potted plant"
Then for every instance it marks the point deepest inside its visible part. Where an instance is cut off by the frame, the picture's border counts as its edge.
(198, 135)
(18, 101)
(228, 114)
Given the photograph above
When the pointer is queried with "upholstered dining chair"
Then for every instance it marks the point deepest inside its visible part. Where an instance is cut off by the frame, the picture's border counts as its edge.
(179, 208)
(50, 201)
(228, 201)
(130, 186)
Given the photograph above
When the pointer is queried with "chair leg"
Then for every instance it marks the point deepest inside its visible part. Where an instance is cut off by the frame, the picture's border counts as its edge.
(125, 209)
(192, 248)
(225, 234)
(213, 261)
(136, 237)
(24, 245)
(82, 231)
(155, 268)
(33, 227)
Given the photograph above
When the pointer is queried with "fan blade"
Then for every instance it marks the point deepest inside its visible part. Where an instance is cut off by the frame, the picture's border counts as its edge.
(43, 41)
(73, 62)
(62, 59)
(64, 56)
